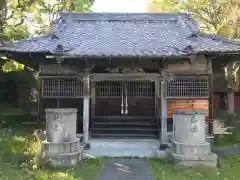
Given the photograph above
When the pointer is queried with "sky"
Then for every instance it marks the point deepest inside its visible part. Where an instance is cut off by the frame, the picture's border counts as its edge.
(120, 5)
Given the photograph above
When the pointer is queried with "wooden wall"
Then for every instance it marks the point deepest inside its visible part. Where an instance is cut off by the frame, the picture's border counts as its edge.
(174, 105)
(54, 69)
(199, 65)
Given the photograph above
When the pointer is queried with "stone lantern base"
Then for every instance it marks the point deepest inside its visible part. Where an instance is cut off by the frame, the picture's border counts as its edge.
(192, 155)
(189, 146)
(62, 154)
(67, 160)
(62, 148)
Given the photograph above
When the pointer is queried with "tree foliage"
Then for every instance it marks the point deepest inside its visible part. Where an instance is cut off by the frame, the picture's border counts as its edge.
(221, 17)
(20, 19)
(163, 6)
(215, 16)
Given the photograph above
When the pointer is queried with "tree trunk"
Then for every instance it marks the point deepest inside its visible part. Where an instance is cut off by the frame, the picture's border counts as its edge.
(230, 97)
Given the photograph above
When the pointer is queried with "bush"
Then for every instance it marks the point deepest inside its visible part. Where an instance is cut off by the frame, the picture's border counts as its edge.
(11, 117)
(229, 120)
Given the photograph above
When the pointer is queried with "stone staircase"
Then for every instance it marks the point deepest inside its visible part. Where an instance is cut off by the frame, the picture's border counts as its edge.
(145, 128)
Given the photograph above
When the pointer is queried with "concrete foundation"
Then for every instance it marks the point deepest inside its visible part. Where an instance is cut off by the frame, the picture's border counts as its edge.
(141, 148)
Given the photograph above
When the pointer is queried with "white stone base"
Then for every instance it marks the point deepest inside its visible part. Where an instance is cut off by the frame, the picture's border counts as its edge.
(50, 148)
(192, 154)
(62, 154)
(191, 149)
(66, 160)
(209, 160)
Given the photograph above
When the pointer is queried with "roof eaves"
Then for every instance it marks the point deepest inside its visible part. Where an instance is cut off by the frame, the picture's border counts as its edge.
(14, 50)
(219, 52)
(220, 38)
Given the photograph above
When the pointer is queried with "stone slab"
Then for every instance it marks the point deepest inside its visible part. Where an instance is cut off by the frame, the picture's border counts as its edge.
(126, 169)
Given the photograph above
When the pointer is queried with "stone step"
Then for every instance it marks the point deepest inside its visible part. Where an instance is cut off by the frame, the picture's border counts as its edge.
(124, 127)
(127, 130)
(124, 135)
(124, 123)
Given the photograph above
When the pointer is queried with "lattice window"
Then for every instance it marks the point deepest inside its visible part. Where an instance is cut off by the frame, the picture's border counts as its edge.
(140, 88)
(68, 87)
(184, 86)
(127, 88)
(108, 89)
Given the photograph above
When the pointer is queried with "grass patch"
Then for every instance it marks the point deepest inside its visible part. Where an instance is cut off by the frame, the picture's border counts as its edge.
(19, 152)
(228, 169)
(227, 140)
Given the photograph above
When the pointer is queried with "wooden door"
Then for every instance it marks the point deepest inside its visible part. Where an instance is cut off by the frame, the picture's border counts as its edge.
(108, 98)
(140, 98)
(125, 99)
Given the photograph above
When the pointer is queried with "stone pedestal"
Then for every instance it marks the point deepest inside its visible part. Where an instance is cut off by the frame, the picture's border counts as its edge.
(189, 147)
(62, 148)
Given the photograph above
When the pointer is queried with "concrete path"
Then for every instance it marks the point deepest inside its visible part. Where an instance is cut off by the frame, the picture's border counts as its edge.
(141, 148)
(227, 151)
(126, 169)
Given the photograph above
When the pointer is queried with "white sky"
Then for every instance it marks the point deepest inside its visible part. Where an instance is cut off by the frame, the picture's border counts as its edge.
(120, 5)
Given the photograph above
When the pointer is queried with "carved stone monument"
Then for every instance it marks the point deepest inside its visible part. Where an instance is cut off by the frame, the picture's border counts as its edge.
(62, 148)
(189, 147)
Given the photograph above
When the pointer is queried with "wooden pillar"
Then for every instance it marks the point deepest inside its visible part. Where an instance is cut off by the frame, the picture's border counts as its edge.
(210, 98)
(39, 99)
(164, 135)
(157, 105)
(93, 98)
(210, 106)
(86, 93)
(93, 104)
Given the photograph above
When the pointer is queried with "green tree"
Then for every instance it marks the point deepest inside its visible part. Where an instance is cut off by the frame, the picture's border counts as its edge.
(163, 6)
(44, 13)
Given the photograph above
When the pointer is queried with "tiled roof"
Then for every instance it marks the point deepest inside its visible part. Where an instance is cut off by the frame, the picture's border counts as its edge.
(126, 34)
